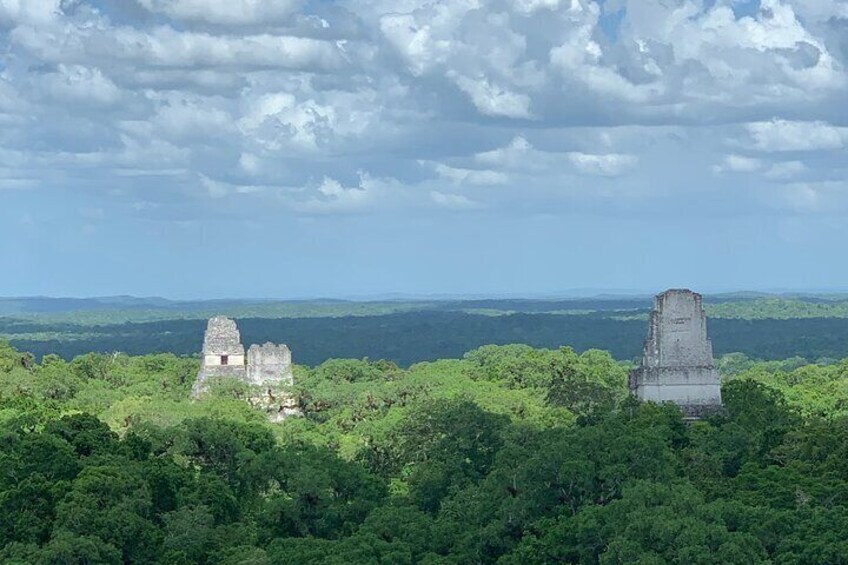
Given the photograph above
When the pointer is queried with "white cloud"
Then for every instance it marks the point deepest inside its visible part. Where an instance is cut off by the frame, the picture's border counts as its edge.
(821, 10)
(133, 155)
(453, 201)
(785, 170)
(331, 196)
(765, 56)
(517, 154)
(530, 6)
(189, 117)
(250, 163)
(218, 189)
(279, 121)
(609, 165)
(201, 80)
(145, 152)
(493, 100)
(172, 48)
(283, 121)
(215, 189)
(581, 59)
(28, 12)
(475, 177)
(267, 94)
(164, 46)
(784, 135)
(75, 84)
(738, 164)
(414, 43)
(479, 53)
(520, 154)
(425, 36)
(230, 12)
(670, 59)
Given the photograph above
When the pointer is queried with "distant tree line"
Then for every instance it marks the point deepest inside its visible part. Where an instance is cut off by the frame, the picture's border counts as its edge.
(407, 338)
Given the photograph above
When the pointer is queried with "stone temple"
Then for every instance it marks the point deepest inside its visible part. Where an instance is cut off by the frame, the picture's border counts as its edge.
(266, 369)
(677, 364)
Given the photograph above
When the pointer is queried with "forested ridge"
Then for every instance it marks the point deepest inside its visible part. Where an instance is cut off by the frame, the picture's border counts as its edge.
(507, 455)
(410, 337)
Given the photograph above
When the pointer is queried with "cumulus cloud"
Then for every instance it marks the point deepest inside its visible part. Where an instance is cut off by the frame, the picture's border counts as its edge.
(278, 120)
(81, 85)
(428, 34)
(186, 118)
(13, 12)
(738, 164)
(533, 99)
(493, 100)
(479, 53)
(219, 189)
(607, 165)
(730, 60)
(225, 12)
(784, 135)
(530, 6)
(477, 177)
(285, 121)
(581, 59)
(167, 47)
(453, 201)
(517, 154)
(521, 155)
(331, 196)
(785, 170)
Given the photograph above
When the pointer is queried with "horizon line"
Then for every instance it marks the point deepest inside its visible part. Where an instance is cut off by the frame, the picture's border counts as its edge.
(569, 294)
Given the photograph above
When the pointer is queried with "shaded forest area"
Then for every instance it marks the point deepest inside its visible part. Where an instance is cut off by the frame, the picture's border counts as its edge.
(411, 337)
(509, 455)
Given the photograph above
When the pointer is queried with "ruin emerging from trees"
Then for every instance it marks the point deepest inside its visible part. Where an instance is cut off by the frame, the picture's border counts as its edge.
(677, 364)
(265, 372)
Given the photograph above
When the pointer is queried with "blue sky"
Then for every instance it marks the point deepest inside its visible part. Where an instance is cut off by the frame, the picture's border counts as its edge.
(293, 148)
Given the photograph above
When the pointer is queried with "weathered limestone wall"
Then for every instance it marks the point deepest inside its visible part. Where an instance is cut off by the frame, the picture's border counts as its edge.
(222, 338)
(677, 365)
(269, 372)
(215, 360)
(269, 363)
(267, 369)
(677, 335)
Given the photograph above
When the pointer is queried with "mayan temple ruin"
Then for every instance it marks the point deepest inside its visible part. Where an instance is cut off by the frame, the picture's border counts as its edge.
(677, 364)
(266, 369)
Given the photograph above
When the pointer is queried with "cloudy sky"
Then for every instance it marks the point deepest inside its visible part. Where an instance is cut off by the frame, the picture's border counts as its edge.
(294, 148)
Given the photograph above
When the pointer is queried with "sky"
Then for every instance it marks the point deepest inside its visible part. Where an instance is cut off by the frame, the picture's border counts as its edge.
(339, 148)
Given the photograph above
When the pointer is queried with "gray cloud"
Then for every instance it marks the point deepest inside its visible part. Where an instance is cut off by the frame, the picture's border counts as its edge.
(370, 105)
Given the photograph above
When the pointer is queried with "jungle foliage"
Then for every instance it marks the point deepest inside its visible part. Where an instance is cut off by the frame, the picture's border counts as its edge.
(508, 455)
